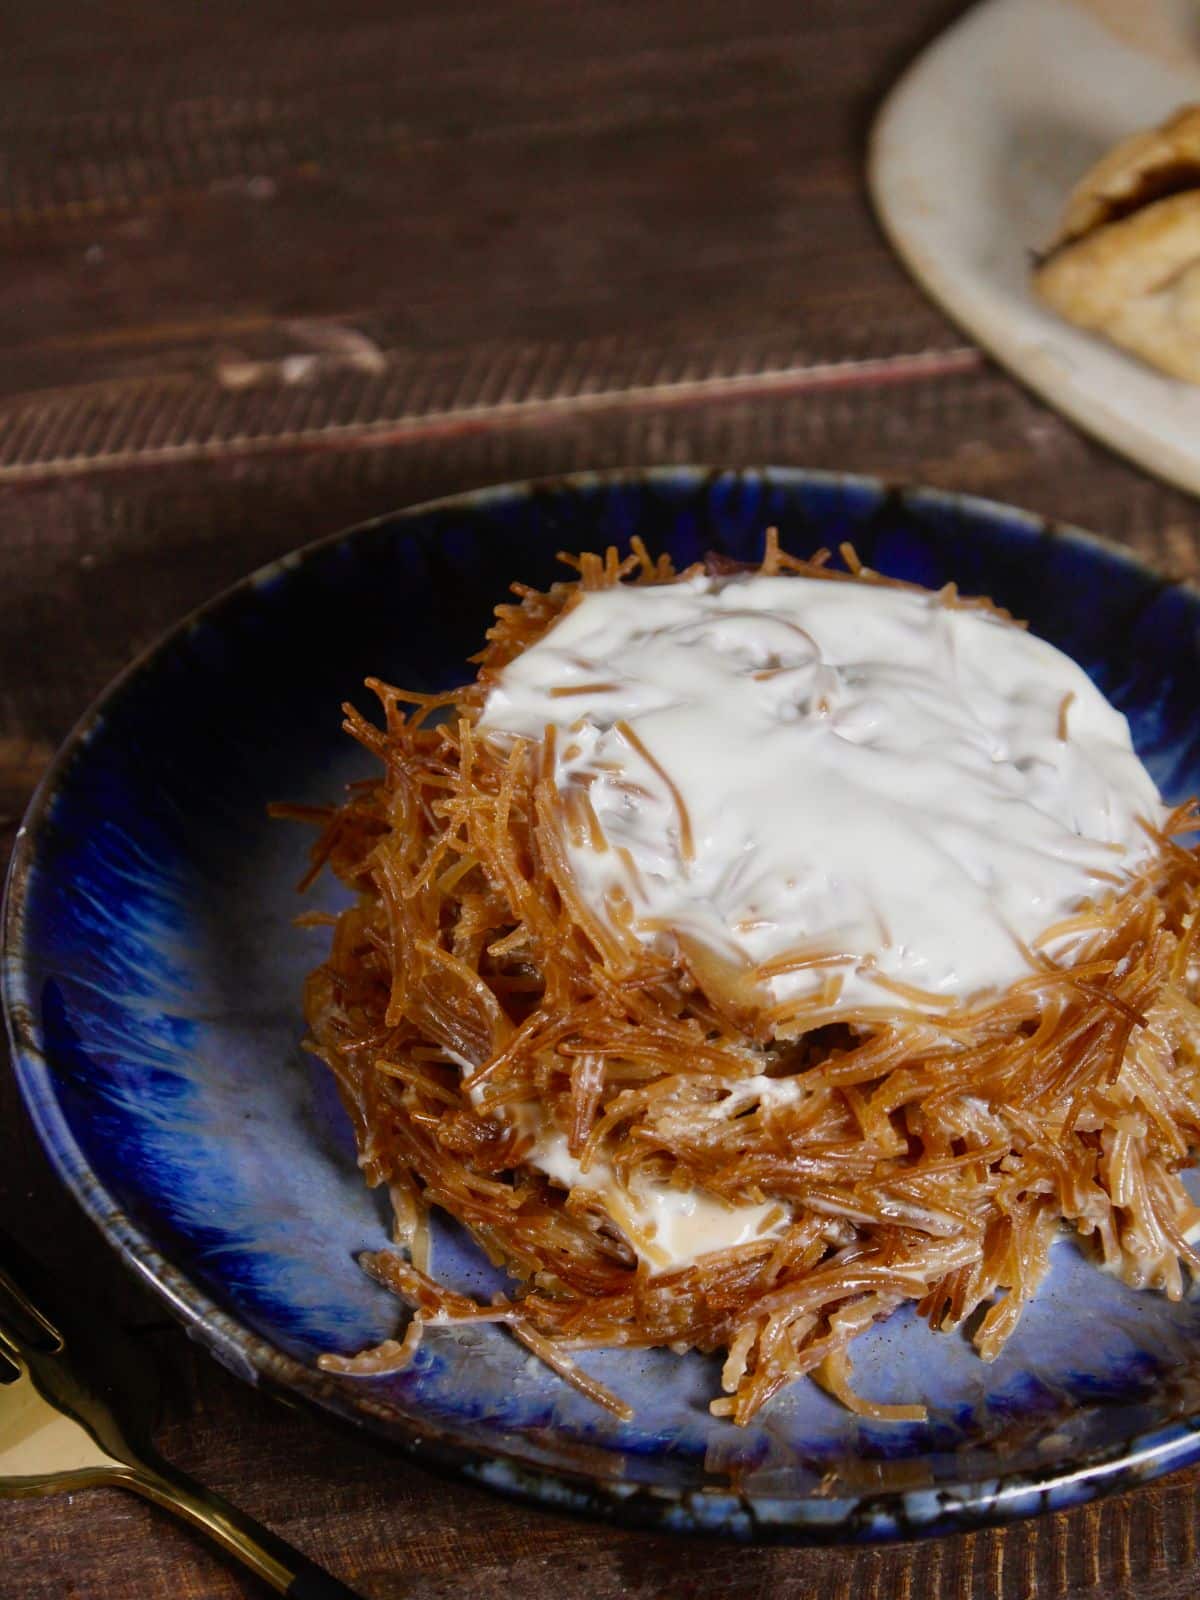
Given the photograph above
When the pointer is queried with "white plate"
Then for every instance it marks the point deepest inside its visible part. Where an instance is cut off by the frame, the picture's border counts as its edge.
(972, 158)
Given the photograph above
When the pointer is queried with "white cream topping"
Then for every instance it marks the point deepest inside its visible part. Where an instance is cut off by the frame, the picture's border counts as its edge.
(865, 773)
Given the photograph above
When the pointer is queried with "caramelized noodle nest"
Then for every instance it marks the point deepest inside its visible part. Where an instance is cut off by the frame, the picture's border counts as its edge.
(926, 1158)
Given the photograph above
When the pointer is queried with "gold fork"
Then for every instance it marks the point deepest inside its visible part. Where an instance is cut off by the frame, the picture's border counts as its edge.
(79, 1413)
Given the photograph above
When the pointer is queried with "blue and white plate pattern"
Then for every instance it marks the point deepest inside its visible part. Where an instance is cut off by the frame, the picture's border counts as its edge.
(152, 977)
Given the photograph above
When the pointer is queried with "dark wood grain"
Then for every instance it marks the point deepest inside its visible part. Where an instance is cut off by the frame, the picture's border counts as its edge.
(271, 269)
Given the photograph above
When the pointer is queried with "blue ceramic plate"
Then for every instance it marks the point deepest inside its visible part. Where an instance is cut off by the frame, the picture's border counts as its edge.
(153, 972)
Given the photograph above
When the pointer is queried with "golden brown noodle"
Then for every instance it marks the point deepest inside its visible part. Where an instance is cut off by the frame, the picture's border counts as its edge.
(927, 1158)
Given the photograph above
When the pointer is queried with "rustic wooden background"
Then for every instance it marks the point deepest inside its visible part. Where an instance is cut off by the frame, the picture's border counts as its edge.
(269, 268)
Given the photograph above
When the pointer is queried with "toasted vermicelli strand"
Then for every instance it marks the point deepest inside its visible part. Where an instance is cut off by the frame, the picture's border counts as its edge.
(925, 1154)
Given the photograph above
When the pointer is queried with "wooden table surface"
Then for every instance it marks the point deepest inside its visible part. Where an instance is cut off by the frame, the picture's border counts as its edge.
(270, 268)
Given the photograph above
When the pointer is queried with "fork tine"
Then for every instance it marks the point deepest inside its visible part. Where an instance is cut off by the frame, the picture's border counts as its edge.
(18, 1332)
(10, 1355)
(20, 1317)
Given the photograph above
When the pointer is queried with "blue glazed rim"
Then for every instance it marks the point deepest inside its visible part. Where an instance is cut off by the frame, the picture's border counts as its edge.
(878, 1515)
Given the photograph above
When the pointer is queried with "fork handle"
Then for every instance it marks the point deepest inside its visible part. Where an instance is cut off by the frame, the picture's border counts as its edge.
(271, 1558)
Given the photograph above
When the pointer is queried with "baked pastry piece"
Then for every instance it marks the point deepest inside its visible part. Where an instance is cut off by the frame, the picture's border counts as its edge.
(1126, 261)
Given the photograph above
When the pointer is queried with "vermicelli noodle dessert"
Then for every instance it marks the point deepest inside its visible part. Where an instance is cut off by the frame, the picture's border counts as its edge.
(746, 953)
